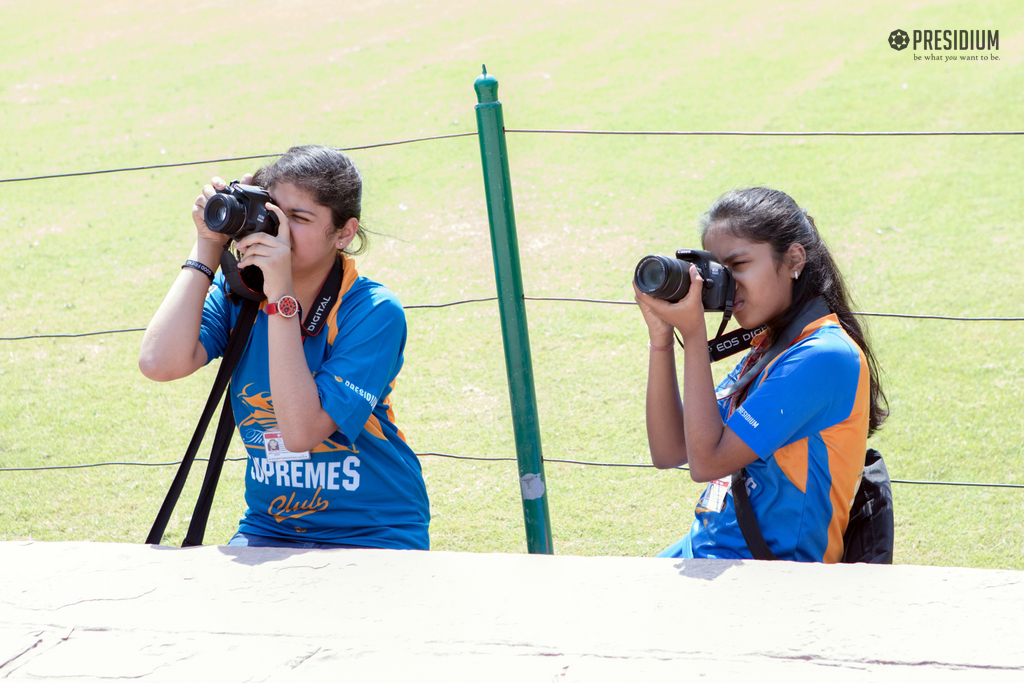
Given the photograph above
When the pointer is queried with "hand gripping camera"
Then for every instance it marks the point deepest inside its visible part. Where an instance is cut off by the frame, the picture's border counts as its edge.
(669, 278)
(240, 210)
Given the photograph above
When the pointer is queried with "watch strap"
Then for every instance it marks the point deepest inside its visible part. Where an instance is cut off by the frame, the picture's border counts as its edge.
(287, 307)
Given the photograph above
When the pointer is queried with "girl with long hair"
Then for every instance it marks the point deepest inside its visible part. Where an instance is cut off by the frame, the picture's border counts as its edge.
(799, 428)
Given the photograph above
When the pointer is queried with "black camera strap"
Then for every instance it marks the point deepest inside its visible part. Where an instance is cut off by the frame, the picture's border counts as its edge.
(247, 282)
(237, 342)
(221, 441)
(730, 298)
(726, 345)
(740, 339)
(812, 310)
(330, 292)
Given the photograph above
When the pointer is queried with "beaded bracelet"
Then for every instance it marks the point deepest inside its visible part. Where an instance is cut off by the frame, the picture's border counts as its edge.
(201, 267)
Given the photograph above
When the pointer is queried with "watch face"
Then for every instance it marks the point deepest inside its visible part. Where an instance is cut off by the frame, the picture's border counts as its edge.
(287, 306)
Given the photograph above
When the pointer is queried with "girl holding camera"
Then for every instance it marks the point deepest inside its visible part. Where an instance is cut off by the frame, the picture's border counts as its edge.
(799, 426)
(311, 394)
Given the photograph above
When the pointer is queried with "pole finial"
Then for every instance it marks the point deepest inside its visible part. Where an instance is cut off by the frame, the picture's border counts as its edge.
(486, 87)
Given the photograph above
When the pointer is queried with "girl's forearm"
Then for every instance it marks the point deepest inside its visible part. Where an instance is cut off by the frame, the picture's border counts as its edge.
(170, 347)
(665, 433)
(703, 421)
(300, 417)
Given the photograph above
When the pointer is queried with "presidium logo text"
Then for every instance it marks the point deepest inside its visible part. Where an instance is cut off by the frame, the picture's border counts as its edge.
(940, 39)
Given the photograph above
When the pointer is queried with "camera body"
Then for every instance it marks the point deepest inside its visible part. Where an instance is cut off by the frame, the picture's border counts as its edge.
(240, 210)
(669, 278)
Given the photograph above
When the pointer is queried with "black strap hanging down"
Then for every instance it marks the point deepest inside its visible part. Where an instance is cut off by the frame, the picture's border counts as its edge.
(748, 522)
(221, 441)
(730, 298)
(232, 353)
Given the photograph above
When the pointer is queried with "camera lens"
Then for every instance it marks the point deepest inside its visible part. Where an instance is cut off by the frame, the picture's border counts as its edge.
(651, 275)
(662, 277)
(224, 214)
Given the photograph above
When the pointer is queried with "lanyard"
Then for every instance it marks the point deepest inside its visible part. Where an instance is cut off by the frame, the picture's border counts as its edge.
(330, 292)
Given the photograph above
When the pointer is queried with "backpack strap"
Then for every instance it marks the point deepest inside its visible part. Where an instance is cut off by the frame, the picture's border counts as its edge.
(748, 522)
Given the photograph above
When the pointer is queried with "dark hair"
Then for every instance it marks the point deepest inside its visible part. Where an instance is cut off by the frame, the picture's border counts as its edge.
(760, 214)
(327, 174)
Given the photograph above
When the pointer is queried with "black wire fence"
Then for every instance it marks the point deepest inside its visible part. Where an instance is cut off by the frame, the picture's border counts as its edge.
(448, 304)
(588, 463)
(528, 298)
(431, 138)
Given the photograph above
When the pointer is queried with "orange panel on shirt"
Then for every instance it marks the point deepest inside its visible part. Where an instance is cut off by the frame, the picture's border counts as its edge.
(845, 444)
(792, 460)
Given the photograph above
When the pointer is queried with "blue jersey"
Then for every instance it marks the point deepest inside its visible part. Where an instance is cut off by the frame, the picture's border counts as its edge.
(806, 416)
(362, 486)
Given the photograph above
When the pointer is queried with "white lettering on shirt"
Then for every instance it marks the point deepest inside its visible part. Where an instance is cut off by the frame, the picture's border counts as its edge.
(742, 412)
(331, 476)
(282, 474)
(362, 393)
(315, 475)
(352, 483)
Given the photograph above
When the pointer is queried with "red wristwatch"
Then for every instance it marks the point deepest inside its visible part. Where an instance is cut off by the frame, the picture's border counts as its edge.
(286, 307)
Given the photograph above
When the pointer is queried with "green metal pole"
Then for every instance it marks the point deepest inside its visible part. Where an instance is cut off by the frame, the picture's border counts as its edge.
(505, 245)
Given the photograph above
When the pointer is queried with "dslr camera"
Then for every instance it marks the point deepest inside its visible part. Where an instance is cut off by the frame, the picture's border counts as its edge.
(240, 210)
(669, 278)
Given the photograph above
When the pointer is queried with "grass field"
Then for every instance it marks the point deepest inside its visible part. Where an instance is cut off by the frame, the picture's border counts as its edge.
(920, 225)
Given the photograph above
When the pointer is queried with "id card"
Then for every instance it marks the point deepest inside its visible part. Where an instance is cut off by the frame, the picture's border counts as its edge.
(713, 499)
(276, 452)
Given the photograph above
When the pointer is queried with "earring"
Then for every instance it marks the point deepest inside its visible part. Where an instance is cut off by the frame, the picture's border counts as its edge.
(796, 274)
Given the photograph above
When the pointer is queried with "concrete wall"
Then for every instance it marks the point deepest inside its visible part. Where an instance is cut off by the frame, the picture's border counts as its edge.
(91, 612)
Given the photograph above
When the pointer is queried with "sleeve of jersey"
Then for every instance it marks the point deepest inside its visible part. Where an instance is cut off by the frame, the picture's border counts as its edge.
(364, 360)
(216, 323)
(812, 386)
